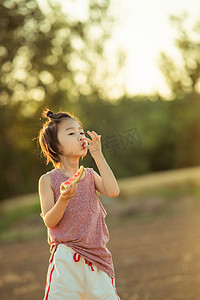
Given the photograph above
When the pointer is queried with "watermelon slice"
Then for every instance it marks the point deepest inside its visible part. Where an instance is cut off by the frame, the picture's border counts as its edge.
(75, 178)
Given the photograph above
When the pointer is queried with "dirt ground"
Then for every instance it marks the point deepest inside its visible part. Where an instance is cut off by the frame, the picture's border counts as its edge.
(158, 259)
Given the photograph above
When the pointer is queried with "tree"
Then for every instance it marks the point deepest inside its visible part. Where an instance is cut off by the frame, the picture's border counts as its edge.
(45, 60)
(183, 78)
(184, 82)
(44, 57)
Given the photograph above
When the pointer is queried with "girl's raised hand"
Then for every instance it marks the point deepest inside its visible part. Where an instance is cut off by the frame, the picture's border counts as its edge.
(94, 145)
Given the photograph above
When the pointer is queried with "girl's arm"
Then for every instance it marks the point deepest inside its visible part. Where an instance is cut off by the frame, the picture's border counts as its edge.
(52, 213)
(106, 184)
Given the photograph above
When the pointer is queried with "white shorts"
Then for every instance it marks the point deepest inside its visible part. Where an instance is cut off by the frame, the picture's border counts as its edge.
(70, 276)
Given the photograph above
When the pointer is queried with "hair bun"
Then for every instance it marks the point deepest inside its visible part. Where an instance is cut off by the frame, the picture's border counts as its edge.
(49, 114)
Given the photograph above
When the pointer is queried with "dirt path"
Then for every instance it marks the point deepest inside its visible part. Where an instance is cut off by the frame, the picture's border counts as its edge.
(156, 260)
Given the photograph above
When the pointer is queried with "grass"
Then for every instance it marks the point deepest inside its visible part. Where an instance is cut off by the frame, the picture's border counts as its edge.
(10, 218)
(11, 235)
(174, 191)
(20, 217)
(145, 206)
(166, 180)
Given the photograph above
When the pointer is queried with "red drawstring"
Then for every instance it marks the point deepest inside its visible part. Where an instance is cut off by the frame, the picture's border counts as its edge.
(89, 264)
(77, 259)
(115, 289)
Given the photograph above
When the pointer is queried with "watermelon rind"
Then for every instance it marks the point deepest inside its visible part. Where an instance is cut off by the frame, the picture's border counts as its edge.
(76, 179)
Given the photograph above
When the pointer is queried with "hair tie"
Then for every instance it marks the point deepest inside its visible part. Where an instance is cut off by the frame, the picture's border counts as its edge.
(49, 114)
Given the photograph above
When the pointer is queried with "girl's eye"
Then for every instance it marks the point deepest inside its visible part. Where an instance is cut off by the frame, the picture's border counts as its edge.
(73, 133)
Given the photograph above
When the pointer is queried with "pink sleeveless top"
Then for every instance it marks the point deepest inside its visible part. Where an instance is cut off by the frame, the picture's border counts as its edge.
(82, 226)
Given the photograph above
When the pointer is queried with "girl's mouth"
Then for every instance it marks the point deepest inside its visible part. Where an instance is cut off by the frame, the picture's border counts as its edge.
(84, 144)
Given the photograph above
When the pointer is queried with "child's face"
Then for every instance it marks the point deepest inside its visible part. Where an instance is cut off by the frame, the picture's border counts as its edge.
(70, 137)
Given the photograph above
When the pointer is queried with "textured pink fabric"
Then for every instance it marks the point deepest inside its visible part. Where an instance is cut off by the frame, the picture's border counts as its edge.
(82, 226)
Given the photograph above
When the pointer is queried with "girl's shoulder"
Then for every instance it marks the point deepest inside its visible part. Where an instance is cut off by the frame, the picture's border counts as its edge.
(47, 177)
(44, 181)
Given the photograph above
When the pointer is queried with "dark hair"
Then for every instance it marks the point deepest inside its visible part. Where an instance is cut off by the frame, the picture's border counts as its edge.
(48, 134)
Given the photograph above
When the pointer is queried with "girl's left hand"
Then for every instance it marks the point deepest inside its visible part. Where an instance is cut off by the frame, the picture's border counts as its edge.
(94, 144)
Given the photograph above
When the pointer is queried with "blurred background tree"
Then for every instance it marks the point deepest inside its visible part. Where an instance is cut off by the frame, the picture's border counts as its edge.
(49, 58)
(46, 59)
(183, 78)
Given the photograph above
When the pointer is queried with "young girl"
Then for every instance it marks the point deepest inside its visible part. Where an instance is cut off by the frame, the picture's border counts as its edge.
(81, 267)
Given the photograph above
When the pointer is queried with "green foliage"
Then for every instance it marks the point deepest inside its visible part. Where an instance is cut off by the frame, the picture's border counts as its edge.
(37, 57)
(164, 141)
(183, 77)
(49, 57)
(11, 217)
(46, 60)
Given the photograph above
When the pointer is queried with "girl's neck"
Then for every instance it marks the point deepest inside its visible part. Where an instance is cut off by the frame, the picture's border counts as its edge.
(68, 167)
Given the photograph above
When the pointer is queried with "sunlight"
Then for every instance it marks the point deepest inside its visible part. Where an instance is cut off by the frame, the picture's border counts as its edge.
(143, 31)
